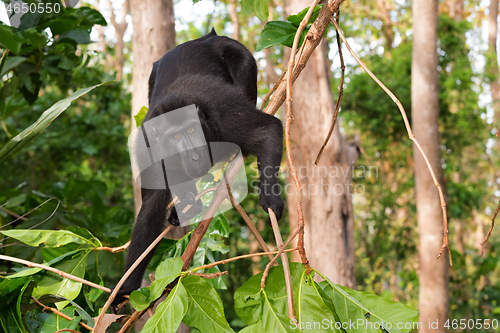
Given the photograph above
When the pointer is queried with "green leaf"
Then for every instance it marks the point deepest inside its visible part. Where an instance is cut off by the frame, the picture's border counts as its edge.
(139, 117)
(9, 39)
(369, 308)
(248, 301)
(10, 306)
(10, 63)
(297, 18)
(51, 238)
(219, 226)
(278, 32)
(52, 283)
(50, 322)
(313, 313)
(259, 8)
(257, 328)
(19, 141)
(79, 36)
(205, 311)
(167, 271)
(273, 320)
(169, 314)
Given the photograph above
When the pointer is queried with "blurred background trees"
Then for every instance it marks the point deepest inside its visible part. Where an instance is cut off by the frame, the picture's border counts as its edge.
(82, 158)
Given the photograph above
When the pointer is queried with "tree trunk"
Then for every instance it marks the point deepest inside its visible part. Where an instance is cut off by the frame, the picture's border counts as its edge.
(433, 297)
(120, 28)
(492, 58)
(154, 35)
(456, 9)
(329, 224)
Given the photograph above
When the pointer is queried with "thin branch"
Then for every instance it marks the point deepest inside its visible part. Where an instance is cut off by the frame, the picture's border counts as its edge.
(132, 320)
(286, 267)
(412, 138)
(209, 275)
(339, 99)
(288, 123)
(113, 249)
(247, 220)
(312, 40)
(17, 216)
(225, 261)
(23, 217)
(129, 271)
(273, 89)
(59, 313)
(491, 228)
(54, 270)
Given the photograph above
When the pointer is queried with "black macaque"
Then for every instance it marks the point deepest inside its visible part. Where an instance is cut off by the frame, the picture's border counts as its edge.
(219, 76)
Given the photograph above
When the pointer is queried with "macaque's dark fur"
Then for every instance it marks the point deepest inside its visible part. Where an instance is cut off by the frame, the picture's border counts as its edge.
(219, 76)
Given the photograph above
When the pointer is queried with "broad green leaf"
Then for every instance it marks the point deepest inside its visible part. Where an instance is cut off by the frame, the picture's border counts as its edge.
(139, 117)
(312, 312)
(205, 309)
(9, 285)
(248, 298)
(9, 39)
(259, 8)
(219, 226)
(297, 18)
(369, 309)
(166, 272)
(51, 238)
(10, 63)
(169, 314)
(23, 138)
(52, 283)
(278, 32)
(50, 322)
(34, 270)
(256, 328)
(10, 306)
(273, 320)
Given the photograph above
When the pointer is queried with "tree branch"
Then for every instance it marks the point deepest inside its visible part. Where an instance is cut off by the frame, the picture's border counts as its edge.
(59, 313)
(412, 138)
(54, 270)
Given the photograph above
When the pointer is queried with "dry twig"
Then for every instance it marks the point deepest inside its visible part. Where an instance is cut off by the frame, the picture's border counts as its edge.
(225, 261)
(286, 267)
(339, 99)
(55, 270)
(126, 275)
(491, 228)
(288, 123)
(113, 249)
(59, 313)
(412, 138)
(247, 220)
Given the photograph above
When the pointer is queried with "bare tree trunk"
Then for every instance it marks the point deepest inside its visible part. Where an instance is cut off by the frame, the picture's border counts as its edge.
(120, 28)
(154, 35)
(433, 298)
(388, 24)
(329, 237)
(102, 41)
(492, 57)
(234, 19)
(456, 9)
